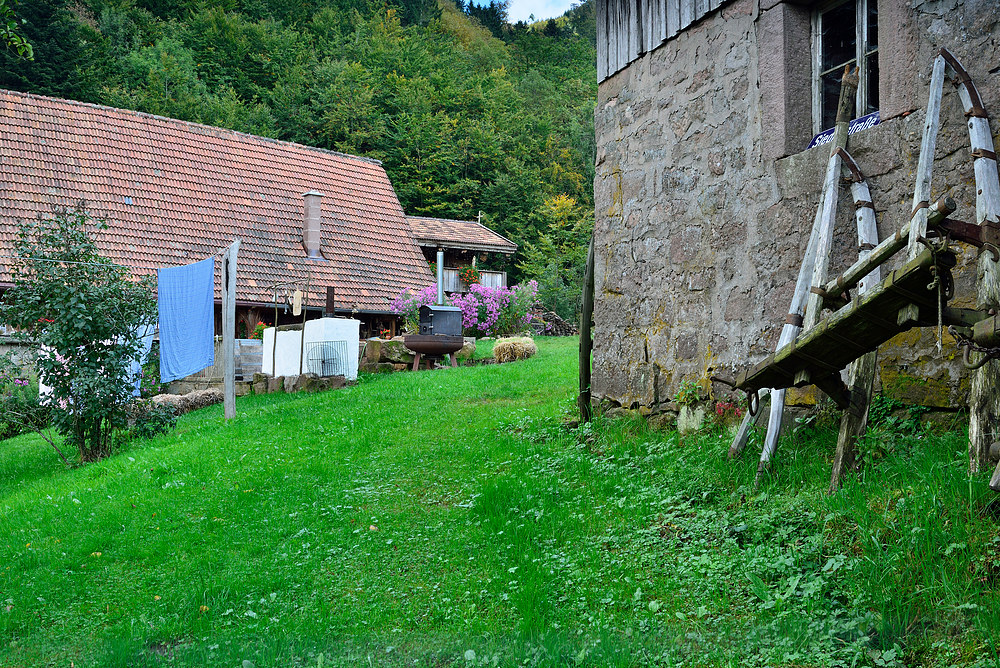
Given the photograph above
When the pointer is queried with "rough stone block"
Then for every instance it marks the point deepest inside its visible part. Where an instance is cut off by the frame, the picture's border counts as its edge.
(395, 352)
(373, 350)
(260, 378)
(276, 384)
(468, 350)
(260, 387)
(307, 382)
(290, 383)
(242, 389)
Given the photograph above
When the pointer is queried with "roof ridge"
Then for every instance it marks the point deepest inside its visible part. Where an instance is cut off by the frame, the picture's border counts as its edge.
(443, 220)
(189, 124)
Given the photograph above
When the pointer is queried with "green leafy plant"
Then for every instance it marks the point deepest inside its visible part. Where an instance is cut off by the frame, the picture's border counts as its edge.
(688, 393)
(20, 409)
(83, 340)
(469, 275)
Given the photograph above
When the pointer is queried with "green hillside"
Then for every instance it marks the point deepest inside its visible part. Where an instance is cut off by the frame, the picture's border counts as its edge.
(468, 112)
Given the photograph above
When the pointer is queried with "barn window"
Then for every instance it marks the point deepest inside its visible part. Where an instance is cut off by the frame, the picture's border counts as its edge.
(844, 33)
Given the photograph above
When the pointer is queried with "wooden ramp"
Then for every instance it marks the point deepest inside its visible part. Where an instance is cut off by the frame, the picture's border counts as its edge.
(857, 328)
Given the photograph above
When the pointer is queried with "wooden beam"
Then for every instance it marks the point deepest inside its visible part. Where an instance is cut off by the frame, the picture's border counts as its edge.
(885, 250)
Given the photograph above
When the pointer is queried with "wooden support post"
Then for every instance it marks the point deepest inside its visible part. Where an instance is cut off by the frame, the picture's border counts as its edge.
(855, 419)
(586, 342)
(861, 376)
(229, 330)
(984, 396)
(922, 188)
(845, 109)
(817, 253)
(749, 422)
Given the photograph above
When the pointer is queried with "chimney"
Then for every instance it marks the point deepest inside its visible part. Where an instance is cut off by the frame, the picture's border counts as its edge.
(311, 236)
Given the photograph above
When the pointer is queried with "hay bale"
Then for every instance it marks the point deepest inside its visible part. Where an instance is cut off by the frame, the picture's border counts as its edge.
(202, 398)
(184, 403)
(513, 349)
(178, 402)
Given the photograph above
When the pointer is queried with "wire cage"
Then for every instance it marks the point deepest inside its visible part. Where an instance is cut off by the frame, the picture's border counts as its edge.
(327, 358)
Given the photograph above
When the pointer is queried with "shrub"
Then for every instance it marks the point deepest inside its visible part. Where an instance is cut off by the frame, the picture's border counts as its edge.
(85, 338)
(485, 311)
(20, 409)
(408, 304)
(496, 311)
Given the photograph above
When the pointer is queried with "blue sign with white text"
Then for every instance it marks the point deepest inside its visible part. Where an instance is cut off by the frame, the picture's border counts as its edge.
(857, 125)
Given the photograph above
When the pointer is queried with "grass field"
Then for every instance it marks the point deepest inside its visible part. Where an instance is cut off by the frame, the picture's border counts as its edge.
(450, 518)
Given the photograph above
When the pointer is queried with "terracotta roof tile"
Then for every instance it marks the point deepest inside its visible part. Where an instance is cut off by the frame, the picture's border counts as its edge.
(466, 234)
(174, 192)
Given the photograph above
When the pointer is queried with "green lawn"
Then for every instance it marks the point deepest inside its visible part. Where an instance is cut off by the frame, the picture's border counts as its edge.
(449, 517)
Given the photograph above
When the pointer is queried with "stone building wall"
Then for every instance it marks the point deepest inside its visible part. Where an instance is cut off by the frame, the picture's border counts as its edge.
(705, 196)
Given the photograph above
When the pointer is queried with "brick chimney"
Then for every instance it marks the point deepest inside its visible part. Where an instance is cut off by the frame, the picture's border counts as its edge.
(311, 235)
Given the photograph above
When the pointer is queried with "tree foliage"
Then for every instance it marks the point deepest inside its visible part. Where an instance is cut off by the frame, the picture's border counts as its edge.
(468, 112)
(10, 31)
(82, 315)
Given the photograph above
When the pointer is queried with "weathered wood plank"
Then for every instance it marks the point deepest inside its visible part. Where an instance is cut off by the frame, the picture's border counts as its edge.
(612, 28)
(622, 28)
(602, 39)
(687, 13)
(855, 419)
(858, 327)
(673, 16)
(925, 163)
(634, 28)
(813, 265)
(648, 12)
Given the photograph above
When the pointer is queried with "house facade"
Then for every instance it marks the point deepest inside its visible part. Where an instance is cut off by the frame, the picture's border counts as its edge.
(706, 189)
(322, 223)
(465, 243)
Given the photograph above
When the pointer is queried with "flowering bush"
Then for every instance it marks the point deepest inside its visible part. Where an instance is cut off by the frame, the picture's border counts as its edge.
(496, 311)
(83, 341)
(485, 311)
(408, 304)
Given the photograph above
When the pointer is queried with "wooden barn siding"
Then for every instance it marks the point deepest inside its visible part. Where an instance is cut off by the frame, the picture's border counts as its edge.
(626, 29)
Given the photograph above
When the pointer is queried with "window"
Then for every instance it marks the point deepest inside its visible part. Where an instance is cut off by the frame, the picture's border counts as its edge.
(844, 33)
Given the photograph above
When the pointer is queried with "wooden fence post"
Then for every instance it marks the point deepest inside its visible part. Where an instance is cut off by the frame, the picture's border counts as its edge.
(586, 342)
(229, 329)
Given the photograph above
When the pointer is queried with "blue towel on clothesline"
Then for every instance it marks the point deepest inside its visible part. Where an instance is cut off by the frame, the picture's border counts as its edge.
(185, 297)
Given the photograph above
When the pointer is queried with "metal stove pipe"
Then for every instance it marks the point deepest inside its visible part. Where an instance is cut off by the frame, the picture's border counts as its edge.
(440, 276)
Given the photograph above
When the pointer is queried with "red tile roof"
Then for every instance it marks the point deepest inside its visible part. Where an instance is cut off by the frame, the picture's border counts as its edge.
(174, 192)
(464, 234)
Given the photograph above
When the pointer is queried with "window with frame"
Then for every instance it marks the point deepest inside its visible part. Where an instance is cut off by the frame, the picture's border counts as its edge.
(844, 33)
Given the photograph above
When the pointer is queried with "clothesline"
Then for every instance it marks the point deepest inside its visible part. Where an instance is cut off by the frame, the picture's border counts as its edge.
(218, 252)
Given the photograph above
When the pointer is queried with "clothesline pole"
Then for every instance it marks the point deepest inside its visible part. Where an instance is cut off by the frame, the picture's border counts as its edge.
(229, 329)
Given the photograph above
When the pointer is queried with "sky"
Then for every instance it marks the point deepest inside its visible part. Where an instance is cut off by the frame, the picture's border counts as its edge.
(520, 10)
